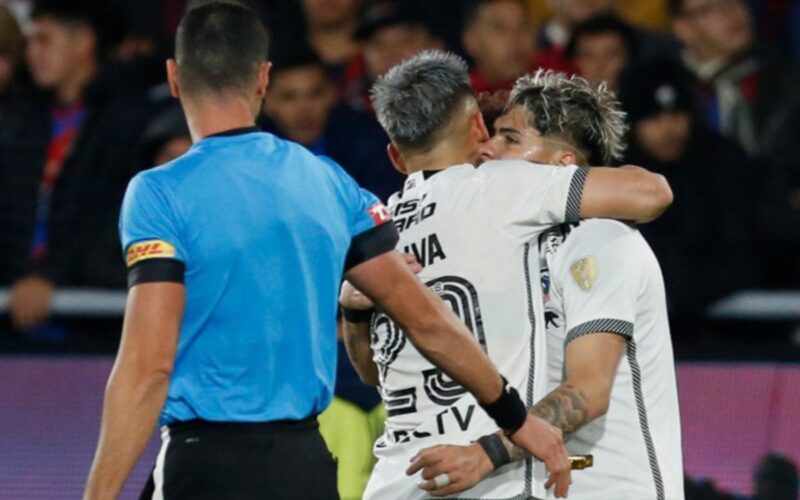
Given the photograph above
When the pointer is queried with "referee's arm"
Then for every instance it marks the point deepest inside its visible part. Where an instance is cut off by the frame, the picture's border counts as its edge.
(137, 387)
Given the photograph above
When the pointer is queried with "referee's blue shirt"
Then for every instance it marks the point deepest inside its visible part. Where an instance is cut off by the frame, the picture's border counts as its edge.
(260, 231)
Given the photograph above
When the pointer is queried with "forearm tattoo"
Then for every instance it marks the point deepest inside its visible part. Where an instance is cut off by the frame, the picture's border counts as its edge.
(566, 408)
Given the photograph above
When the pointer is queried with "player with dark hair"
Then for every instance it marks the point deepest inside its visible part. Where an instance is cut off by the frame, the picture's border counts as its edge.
(235, 252)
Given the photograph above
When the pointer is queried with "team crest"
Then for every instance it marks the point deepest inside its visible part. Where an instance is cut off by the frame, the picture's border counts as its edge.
(584, 272)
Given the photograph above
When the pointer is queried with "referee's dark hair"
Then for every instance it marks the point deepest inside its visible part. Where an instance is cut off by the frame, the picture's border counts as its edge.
(219, 47)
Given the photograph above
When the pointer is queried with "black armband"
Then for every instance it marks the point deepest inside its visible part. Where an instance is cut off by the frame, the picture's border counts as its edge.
(357, 315)
(371, 243)
(495, 450)
(156, 270)
(508, 411)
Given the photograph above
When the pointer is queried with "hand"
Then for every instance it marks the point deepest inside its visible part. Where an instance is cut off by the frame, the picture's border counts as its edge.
(546, 443)
(351, 298)
(465, 466)
(29, 302)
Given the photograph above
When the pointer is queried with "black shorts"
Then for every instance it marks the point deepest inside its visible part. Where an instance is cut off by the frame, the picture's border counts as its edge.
(202, 460)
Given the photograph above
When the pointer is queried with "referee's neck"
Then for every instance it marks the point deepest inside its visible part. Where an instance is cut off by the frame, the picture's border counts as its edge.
(209, 116)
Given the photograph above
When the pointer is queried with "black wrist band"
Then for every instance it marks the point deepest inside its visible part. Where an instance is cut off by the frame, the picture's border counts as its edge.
(495, 450)
(508, 411)
(357, 315)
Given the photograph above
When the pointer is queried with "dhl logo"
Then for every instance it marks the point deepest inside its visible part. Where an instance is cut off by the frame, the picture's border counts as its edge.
(149, 250)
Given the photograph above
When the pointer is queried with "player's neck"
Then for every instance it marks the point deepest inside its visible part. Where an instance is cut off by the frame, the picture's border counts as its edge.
(444, 155)
(207, 117)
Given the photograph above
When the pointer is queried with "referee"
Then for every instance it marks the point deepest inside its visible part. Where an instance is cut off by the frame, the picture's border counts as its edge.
(235, 253)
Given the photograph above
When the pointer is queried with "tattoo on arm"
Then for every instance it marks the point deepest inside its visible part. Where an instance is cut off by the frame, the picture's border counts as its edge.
(566, 408)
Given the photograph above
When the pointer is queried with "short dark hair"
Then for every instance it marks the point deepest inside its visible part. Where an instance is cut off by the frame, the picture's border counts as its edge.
(472, 9)
(219, 47)
(675, 7)
(299, 55)
(601, 24)
(104, 20)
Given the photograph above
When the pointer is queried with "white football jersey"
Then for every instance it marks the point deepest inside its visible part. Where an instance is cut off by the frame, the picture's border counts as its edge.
(601, 276)
(474, 230)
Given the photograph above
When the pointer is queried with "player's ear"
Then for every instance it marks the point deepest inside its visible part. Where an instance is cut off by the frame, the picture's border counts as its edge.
(567, 158)
(480, 124)
(396, 158)
(172, 78)
(263, 79)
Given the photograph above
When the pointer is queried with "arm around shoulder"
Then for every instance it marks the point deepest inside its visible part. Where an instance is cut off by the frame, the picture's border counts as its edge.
(625, 193)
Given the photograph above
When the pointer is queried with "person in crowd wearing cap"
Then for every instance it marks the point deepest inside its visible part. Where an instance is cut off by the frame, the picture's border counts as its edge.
(63, 205)
(388, 32)
(742, 83)
(165, 138)
(500, 40)
(709, 175)
(301, 106)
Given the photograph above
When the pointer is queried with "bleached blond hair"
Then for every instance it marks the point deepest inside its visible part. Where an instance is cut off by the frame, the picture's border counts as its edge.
(573, 110)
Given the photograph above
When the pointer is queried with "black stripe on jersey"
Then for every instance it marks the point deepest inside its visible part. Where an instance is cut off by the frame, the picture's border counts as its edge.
(605, 325)
(636, 375)
(526, 263)
(371, 243)
(573, 212)
(156, 270)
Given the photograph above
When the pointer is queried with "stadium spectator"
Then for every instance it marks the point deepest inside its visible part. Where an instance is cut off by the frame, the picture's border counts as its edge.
(330, 25)
(389, 32)
(499, 38)
(301, 106)
(554, 36)
(64, 201)
(601, 47)
(742, 83)
(775, 478)
(703, 242)
(12, 44)
(165, 138)
(780, 207)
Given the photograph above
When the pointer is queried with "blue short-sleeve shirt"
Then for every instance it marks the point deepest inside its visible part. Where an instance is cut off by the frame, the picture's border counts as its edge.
(260, 231)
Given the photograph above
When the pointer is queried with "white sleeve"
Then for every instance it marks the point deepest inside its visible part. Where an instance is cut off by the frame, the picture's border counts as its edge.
(598, 273)
(526, 198)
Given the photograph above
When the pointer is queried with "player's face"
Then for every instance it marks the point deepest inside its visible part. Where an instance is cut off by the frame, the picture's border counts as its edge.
(664, 136)
(601, 57)
(501, 41)
(715, 28)
(515, 139)
(394, 44)
(299, 100)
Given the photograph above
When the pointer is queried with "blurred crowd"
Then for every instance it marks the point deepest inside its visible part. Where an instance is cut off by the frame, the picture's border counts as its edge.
(710, 88)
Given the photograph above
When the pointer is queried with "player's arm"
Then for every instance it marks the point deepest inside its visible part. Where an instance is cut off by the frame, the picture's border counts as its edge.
(137, 387)
(626, 193)
(357, 312)
(444, 340)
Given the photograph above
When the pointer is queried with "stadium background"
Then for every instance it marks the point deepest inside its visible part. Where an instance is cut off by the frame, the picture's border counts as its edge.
(82, 110)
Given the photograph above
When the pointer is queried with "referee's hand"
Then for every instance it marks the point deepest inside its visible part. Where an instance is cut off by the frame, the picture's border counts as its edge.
(546, 443)
(351, 298)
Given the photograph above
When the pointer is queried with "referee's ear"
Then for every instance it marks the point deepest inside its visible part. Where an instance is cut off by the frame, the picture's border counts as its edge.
(263, 79)
(172, 78)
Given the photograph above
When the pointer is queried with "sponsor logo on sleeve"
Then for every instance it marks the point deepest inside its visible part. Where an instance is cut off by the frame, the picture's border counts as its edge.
(379, 213)
(150, 249)
(584, 272)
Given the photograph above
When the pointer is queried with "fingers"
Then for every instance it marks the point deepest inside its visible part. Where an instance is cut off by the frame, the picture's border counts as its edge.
(424, 458)
(412, 262)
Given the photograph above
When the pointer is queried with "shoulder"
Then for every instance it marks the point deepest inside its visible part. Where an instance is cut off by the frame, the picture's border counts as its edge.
(600, 237)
